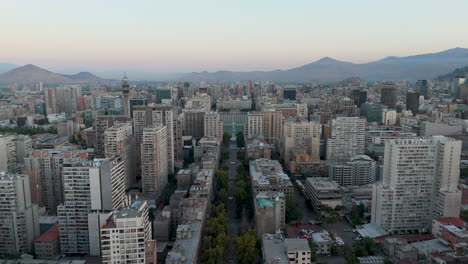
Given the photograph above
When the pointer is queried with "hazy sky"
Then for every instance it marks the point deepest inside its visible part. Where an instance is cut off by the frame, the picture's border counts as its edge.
(182, 36)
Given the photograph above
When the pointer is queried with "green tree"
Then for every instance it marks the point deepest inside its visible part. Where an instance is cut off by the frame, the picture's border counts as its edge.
(313, 250)
(226, 139)
(291, 212)
(334, 250)
(464, 215)
(222, 195)
(246, 247)
(222, 178)
(240, 139)
(368, 244)
(387, 261)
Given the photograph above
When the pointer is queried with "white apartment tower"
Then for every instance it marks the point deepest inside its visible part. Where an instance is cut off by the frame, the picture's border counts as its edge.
(7, 153)
(125, 234)
(347, 138)
(154, 163)
(152, 116)
(89, 186)
(213, 125)
(19, 218)
(119, 141)
(254, 126)
(420, 178)
(302, 134)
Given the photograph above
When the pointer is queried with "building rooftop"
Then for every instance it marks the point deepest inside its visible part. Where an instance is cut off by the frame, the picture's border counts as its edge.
(273, 249)
(50, 235)
(432, 246)
(296, 244)
(320, 237)
(371, 260)
(263, 171)
(371, 230)
(456, 221)
(323, 184)
(188, 245)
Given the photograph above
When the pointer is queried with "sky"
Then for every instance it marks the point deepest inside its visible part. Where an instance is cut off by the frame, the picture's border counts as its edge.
(183, 36)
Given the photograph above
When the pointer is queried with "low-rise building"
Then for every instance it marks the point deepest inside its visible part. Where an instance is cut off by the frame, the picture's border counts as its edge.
(323, 191)
(298, 250)
(323, 242)
(47, 246)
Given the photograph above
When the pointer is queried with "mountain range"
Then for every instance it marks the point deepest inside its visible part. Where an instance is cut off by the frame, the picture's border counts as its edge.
(411, 68)
(30, 74)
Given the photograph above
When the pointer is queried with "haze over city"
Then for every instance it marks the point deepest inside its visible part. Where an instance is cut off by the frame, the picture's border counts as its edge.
(157, 37)
(233, 132)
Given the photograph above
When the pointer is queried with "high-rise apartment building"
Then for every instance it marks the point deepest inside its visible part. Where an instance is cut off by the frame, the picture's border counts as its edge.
(359, 97)
(50, 100)
(100, 124)
(272, 122)
(89, 186)
(119, 141)
(347, 138)
(154, 163)
(48, 165)
(301, 134)
(213, 125)
(125, 235)
(420, 178)
(152, 116)
(254, 125)
(7, 153)
(178, 136)
(67, 98)
(388, 94)
(194, 122)
(19, 218)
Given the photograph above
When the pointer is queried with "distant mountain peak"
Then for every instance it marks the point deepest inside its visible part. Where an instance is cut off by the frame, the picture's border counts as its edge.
(31, 73)
(328, 60)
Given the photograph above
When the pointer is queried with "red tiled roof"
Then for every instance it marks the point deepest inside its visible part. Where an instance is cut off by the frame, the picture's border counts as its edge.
(50, 235)
(451, 220)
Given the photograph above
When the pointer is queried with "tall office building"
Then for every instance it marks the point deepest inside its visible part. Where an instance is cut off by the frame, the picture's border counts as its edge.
(100, 124)
(359, 97)
(154, 159)
(50, 100)
(272, 125)
(163, 94)
(412, 102)
(347, 138)
(254, 125)
(152, 116)
(89, 186)
(301, 134)
(289, 93)
(119, 141)
(388, 94)
(456, 83)
(126, 95)
(423, 88)
(126, 234)
(7, 153)
(420, 178)
(19, 218)
(213, 125)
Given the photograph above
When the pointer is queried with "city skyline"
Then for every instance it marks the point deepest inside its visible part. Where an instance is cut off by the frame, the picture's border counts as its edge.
(162, 37)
